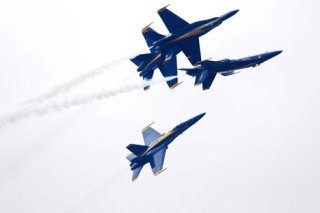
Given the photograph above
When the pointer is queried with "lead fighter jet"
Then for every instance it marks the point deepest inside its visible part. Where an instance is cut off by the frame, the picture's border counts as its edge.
(155, 147)
(206, 70)
(182, 37)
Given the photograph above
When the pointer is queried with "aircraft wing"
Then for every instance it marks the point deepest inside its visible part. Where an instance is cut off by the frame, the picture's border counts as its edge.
(157, 161)
(191, 49)
(208, 81)
(150, 135)
(169, 69)
(201, 77)
(171, 20)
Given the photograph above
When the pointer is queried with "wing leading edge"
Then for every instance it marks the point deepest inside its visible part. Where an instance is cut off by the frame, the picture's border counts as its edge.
(150, 135)
(171, 20)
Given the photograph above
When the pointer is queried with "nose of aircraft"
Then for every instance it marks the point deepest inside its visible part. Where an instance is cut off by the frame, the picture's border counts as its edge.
(272, 54)
(228, 15)
(195, 119)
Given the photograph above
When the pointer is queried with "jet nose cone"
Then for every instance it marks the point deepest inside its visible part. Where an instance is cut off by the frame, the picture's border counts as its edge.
(232, 13)
(201, 115)
(228, 15)
(273, 54)
(197, 118)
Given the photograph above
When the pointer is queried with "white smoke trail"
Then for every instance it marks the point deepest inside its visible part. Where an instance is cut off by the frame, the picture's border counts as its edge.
(41, 110)
(99, 190)
(69, 85)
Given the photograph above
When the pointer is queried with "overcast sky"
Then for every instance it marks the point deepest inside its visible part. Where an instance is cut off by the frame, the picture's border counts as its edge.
(256, 150)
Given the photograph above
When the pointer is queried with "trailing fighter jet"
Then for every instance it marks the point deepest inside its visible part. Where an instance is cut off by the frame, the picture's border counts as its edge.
(155, 147)
(206, 70)
(182, 37)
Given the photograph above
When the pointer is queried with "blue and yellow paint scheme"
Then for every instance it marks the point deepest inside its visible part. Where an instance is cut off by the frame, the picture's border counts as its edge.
(156, 144)
(185, 36)
(182, 37)
(205, 71)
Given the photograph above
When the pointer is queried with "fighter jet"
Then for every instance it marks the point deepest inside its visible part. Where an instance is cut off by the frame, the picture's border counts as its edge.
(148, 62)
(182, 37)
(155, 147)
(205, 71)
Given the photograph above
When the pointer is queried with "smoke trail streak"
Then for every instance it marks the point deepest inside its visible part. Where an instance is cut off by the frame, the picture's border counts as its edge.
(99, 190)
(18, 162)
(69, 85)
(41, 110)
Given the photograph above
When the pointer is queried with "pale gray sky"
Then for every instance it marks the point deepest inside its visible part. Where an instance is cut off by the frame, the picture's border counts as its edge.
(256, 150)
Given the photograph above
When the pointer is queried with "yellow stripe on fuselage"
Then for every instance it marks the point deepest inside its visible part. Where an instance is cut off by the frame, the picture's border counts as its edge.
(192, 33)
(154, 59)
(159, 141)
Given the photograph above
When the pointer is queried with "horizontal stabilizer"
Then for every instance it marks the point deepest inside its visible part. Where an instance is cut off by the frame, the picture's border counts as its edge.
(136, 173)
(137, 149)
(142, 58)
(148, 76)
(190, 71)
(131, 157)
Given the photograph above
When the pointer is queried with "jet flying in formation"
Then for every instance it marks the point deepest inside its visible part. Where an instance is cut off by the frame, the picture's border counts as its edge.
(183, 37)
(156, 144)
(206, 70)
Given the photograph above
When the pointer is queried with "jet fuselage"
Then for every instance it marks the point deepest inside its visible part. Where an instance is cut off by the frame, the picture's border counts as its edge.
(195, 29)
(227, 65)
(163, 142)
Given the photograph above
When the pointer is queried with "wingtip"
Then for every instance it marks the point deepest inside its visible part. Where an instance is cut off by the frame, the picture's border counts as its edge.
(144, 129)
(145, 29)
(163, 8)
(175, 85)
(156, 174)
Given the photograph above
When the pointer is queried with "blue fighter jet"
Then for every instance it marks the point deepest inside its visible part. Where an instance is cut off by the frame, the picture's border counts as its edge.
(206, 70)
(155, 147)
(182, 37)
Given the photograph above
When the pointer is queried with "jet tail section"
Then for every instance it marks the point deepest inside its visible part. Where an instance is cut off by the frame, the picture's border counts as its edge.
(142, 58)
(131, 157)
(137, 149)
(136, 173)
(190, 71)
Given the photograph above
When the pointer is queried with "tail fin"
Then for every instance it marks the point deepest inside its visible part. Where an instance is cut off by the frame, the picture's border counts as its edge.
(142, 58)
(137, 149)
(150, 35)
